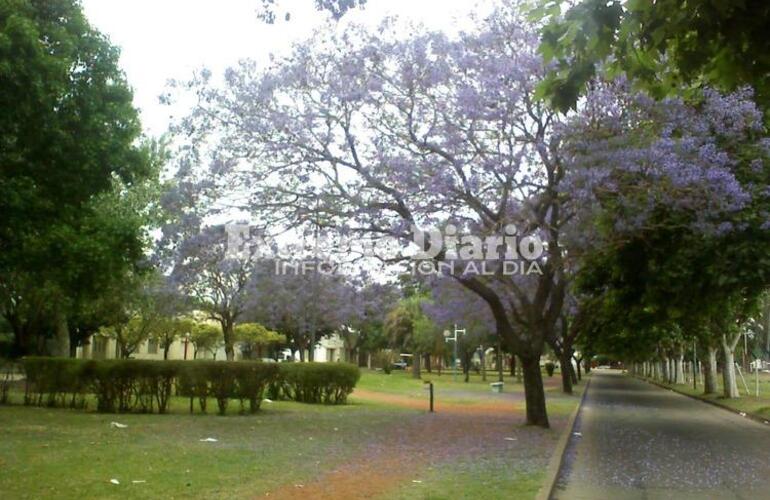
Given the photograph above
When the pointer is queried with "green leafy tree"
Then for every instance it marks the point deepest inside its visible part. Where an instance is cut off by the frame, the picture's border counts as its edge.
(254, 337)
(69, 136)
(168, 329)
(205, 337)
(666, 46)
(407, 327)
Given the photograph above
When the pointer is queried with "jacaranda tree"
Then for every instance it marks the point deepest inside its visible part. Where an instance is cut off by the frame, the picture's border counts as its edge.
(675, 206)
(381, 136)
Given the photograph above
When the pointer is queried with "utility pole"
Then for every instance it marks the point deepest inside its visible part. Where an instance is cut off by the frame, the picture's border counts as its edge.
(453, 338)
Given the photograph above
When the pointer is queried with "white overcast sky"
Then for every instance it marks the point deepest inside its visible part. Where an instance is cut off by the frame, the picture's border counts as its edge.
(164, 39)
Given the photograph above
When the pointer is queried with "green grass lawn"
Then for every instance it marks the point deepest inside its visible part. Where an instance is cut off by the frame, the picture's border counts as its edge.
(60, 453)
(71, 454)
(748, 402)
(467, 479)
(401, 382)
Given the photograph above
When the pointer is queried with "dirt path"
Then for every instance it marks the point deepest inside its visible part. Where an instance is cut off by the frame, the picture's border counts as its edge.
(415, 442)
(479, 406)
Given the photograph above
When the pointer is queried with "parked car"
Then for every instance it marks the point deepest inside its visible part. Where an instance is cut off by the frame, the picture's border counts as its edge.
(399, 365)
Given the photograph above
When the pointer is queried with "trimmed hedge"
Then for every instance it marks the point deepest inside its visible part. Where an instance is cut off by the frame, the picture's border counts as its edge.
(242, 380)
(328, 383)
(124, 385)
(7, 372)
(54, 382)
(146, 385)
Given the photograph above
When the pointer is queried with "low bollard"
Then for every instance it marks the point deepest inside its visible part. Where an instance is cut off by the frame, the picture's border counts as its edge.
(429, 386)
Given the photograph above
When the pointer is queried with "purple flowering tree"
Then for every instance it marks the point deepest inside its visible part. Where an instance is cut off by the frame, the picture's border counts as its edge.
(384, 137)
(454, 305)
(217, 281)
(363, 333)
(674, 207)
(304, 305)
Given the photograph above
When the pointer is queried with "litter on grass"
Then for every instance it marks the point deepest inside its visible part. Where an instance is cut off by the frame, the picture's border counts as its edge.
(114, 481)
(209, 440)
(118, 425)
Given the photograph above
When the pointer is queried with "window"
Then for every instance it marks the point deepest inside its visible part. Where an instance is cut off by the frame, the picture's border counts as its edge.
(330, 354)
(152, 346)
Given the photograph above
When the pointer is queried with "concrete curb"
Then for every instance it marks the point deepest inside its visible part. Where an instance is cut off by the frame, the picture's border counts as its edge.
(751, 416)
(557, 459)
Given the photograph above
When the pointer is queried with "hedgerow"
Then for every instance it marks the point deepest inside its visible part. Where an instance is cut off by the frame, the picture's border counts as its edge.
(146, 386)
(328, 383)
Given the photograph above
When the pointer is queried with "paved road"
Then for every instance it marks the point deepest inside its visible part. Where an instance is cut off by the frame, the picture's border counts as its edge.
(641, 442)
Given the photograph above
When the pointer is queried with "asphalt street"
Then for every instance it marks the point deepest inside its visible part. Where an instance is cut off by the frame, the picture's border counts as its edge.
(635, 440)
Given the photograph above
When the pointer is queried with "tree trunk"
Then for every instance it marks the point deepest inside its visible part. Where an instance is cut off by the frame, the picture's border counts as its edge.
(513, 365)
(60, 346)
(572, 374)
(566, 376)
(577, 365)
(499, 361)
(227, 330)
(587, 365)
(427, 363)
(311, 349)
(416, 365)
(680, 369)
(166, 348)
(728, 371)
(483, 359)
(665, 367)
(534, 394)
(361, 358)
(465, 362)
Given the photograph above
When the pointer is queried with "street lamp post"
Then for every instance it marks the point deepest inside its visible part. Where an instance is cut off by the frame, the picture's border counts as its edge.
(450, 337)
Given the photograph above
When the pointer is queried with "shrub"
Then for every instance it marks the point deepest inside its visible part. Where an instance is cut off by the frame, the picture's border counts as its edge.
(384, 359)
(7, 371)
(124, 385)
(54, 382)
(221, 381)
(549, 368)
(119, 385)
(252, 379)
(242, 380)
(328, 383)
(193, 383)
